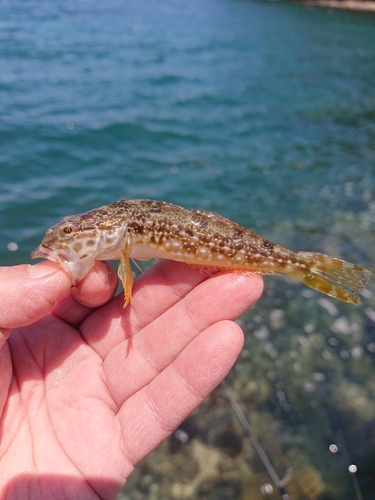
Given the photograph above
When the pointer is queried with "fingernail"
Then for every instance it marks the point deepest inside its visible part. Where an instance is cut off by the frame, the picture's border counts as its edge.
(42, 270)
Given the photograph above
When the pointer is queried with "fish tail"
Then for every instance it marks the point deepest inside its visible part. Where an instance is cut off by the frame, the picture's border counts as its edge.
(333, 277)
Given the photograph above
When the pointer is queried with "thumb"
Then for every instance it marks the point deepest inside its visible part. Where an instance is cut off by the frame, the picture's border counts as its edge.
(28, 292)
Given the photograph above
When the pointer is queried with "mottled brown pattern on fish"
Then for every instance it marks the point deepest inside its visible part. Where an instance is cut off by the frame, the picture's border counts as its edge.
(184, 234)
(145, 229)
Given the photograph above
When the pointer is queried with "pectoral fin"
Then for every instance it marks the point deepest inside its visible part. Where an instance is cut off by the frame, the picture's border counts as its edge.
(125, 274)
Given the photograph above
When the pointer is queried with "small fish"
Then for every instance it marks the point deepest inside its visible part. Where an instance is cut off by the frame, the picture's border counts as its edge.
(146, 229)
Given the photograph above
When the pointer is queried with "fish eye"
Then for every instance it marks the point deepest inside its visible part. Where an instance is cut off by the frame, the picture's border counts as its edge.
(67, 229)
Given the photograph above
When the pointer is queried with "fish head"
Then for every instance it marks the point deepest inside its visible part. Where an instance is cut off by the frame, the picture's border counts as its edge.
(77, 241)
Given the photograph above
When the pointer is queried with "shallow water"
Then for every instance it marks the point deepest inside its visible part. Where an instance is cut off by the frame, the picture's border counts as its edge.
(263, 112)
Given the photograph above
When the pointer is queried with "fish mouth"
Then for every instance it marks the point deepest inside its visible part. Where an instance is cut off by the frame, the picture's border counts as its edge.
(65, 259)
(77, 268)
(42, 253)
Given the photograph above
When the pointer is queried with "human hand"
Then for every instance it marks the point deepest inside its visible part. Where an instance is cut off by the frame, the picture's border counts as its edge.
(86, 392)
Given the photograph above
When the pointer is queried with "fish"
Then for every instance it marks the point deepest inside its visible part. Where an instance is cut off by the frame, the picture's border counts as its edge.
(148, 229)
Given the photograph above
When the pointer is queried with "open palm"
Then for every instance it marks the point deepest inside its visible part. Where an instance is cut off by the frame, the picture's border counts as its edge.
(87, 390)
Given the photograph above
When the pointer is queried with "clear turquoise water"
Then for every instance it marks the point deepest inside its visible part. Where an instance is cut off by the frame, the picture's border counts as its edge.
(263, 112)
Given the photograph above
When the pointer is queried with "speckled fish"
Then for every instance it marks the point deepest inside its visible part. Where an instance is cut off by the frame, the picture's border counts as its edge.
(146, 229)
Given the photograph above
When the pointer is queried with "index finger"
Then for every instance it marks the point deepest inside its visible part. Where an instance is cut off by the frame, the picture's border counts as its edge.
(158, 290)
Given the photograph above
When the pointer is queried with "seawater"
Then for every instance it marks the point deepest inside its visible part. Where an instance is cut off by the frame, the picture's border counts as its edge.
(263, 112)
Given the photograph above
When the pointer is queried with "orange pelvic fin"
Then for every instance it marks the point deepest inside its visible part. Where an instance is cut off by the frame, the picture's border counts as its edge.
(125, 274)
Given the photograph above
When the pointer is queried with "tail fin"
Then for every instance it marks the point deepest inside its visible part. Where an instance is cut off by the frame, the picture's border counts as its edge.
(334, 277)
